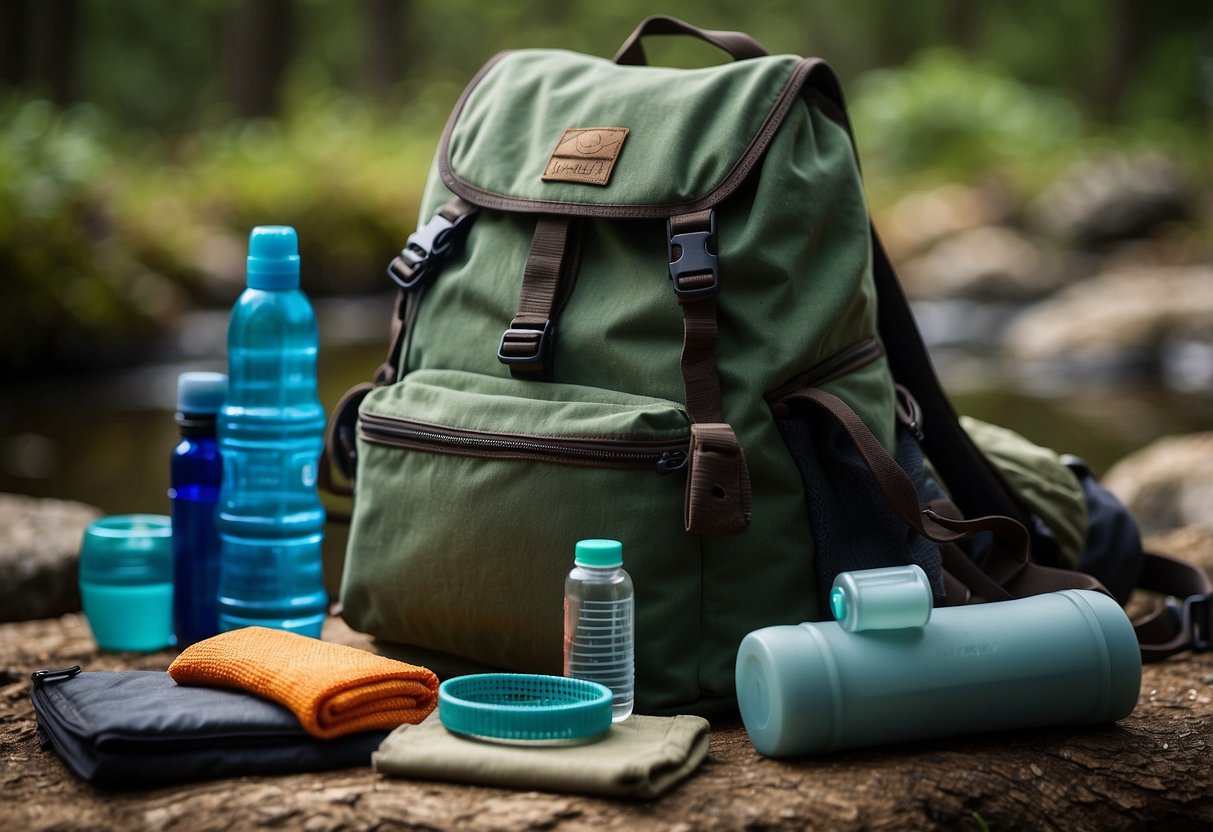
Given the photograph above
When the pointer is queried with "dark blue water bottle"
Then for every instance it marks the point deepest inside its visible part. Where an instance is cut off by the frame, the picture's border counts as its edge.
(271, 429)
(196, 471)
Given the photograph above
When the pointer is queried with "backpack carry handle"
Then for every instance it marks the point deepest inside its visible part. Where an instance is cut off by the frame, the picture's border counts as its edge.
(738, 45)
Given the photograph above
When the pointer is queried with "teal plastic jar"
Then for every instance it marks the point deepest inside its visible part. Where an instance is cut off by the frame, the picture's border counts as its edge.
(126, 581)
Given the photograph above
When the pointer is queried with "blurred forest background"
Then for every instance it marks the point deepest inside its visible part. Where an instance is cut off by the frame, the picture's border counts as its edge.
(1017, 154)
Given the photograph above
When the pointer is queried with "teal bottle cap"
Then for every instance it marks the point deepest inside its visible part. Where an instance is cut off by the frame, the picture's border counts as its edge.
(273, 258)
(127, 550)
(526, 707)
(200, 393)
(598, 553)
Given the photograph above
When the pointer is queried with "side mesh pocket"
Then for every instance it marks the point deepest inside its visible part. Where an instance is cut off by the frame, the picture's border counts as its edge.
(853, 526)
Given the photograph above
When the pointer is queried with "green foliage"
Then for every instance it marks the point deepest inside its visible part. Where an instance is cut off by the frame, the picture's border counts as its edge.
(105, 237)
(945, 118)
(957, 119)
(62, 278)
(345, 175)
(116, 217)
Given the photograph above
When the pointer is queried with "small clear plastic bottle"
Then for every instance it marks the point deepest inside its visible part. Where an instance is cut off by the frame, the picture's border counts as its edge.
(600, 622)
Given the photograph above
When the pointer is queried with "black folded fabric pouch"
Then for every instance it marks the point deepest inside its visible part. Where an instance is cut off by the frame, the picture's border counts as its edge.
(139, 729)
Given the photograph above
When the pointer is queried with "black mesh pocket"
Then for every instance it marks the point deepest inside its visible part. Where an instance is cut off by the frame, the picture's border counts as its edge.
(853, 526)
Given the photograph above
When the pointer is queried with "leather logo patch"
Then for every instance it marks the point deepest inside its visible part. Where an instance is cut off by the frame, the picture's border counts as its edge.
(585, 154)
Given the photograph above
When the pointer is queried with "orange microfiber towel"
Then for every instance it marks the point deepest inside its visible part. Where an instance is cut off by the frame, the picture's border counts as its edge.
(334, 690)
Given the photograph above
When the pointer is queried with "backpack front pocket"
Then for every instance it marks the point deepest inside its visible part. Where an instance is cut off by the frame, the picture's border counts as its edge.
(471, 492)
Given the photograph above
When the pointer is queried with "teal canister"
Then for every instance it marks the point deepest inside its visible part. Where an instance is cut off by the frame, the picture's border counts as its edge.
(1062, 658)
(126, 581)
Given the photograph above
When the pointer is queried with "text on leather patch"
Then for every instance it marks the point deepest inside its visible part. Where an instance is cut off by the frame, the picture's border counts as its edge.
(585, 154)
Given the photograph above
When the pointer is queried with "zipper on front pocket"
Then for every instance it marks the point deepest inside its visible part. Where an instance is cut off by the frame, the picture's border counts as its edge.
(663, 457)
(841, 363)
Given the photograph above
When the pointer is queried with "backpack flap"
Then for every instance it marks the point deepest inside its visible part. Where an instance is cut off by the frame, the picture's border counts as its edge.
(555, 132)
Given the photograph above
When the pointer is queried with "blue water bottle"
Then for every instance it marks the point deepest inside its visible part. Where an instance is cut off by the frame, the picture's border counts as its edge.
(271, 427)
(196, 472)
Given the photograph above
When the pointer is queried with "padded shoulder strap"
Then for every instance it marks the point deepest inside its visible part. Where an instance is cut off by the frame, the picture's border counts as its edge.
(951, 450)
(1184, 621)
(953, 453)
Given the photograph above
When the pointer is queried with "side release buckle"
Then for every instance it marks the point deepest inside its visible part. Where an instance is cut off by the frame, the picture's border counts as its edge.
(430, 246)
(525, 345)
(694, 268)
(1195, 619)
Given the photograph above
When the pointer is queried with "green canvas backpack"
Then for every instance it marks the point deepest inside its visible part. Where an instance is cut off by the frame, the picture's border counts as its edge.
(647, 304)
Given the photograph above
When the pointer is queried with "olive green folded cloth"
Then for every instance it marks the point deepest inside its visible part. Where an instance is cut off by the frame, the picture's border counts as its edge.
(642, 756)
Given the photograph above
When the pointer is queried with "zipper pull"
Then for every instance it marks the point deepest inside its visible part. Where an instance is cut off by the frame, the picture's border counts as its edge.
(41, 677)
(671, 461)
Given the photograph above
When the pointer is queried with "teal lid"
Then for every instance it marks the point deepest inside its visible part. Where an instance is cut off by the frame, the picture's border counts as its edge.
(200, 393)
(127, 550)
(273, 258)
(598, 553)
(890, 598)
(521, 706)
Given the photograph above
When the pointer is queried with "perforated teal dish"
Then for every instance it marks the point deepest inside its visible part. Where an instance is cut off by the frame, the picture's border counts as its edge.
(524, 707)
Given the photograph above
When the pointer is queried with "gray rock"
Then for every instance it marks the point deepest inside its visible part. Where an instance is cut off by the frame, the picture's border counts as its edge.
(918, 221)
(1116, 320)
(989, 263)
(39, 549)
(1168, 484)
(1104, 200)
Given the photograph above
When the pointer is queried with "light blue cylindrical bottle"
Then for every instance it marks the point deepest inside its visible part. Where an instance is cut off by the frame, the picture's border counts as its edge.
(271, 430)
(1062, 658)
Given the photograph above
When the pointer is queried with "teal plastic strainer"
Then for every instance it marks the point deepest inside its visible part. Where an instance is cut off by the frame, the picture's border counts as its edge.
(521, 706)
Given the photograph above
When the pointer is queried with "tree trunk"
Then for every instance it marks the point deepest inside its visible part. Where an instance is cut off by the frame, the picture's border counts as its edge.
(260, 41)
(55, 40)
(388, 45)
(14, 35)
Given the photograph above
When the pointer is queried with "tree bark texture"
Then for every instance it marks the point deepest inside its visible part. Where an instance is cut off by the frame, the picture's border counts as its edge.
(1150, 770)
(260, 44)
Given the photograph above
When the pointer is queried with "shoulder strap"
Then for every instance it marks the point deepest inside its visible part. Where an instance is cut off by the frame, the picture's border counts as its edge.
(955, 457)
(951, 450)
(1184, 621)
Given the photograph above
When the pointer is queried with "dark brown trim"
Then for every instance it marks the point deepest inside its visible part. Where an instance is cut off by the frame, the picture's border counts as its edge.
(737, 45)
(808, 69)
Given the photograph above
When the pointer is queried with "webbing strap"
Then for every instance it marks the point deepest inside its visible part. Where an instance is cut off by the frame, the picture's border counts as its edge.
(551, 268)
(696, 282)
(951, 450)
(1008, 571)
(1182, 621)
(718, 479)
(426, 251)
(933, 522)
(388, 370)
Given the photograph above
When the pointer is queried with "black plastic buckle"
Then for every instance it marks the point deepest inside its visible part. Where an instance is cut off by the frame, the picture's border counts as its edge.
(539, 341)
(42, 676)
(695, 256)
(427, 248)
(1198, 621)
(1193, 616)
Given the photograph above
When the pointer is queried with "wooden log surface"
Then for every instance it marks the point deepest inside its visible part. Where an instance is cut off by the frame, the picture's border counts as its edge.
(1152, 769)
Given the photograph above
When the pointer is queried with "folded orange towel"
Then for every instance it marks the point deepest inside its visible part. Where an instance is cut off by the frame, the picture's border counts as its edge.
(333, 689)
